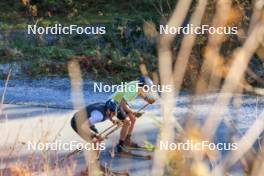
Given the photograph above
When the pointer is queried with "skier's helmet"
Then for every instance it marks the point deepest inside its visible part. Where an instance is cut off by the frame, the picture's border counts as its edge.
(111, 105)
(145, 80)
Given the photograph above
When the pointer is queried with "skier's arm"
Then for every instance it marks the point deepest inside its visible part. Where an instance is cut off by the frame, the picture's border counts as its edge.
(143, 95)
(93, 130)
(86, 126)
(125, 106)
(96, 117)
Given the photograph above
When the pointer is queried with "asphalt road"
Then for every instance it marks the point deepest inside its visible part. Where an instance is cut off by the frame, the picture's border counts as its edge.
(23, 125)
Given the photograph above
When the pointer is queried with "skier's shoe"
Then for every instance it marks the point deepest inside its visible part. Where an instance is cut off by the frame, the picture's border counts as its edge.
(131, 144)
(121, 149)
(123, 152)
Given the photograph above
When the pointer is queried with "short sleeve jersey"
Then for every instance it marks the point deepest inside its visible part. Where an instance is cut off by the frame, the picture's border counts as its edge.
(129, 92)
(96, 116)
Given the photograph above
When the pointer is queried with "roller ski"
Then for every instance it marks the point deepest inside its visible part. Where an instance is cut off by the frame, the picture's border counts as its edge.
(120, 151)
(147, 146)
(139, 147)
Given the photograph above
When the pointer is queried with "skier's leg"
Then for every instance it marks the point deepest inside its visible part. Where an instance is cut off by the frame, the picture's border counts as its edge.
(128, 141)
(82, 128)
(121, 115)
(125, 129)
(132, 119)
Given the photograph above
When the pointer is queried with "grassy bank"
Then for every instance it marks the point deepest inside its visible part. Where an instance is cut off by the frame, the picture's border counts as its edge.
(18, 14)
(115, 55)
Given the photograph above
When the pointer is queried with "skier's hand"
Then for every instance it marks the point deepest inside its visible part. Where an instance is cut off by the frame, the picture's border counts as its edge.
(97, 138)
(139, 114)
(116, 122)
(150, 100)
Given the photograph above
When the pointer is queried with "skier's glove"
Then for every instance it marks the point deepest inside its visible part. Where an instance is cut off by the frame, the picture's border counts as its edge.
(149, 99)
(139, 114)
(116, 122)
(97, 138)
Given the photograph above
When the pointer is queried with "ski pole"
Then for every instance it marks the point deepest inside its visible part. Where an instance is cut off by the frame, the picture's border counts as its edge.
(107, 129)
(118, 126)
(78, 150)
(143, 107)
(113, 130)
(105, 136)
(138, 113)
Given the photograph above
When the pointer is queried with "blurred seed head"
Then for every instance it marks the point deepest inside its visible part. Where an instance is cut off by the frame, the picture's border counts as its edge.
(234, 15)
(260, 52)
(199, 169)
(143, 69)
(25, 2)
(149, 29)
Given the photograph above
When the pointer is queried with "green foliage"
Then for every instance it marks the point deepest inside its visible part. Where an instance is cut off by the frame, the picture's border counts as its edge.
(39, 67)
(17, 14)
(55, 52)
(104, 57)
(119, 51)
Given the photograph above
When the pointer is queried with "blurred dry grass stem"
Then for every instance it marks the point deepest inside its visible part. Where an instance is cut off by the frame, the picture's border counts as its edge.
(166, 75)
(218, 73)
(78, 102)
(4, 92)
